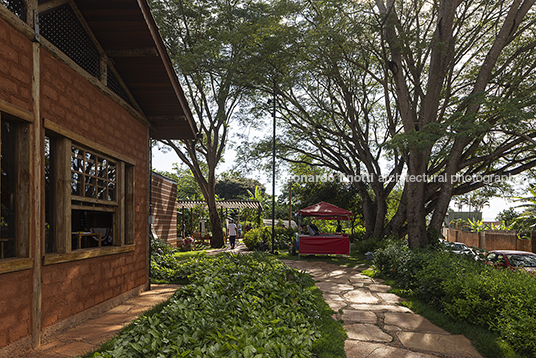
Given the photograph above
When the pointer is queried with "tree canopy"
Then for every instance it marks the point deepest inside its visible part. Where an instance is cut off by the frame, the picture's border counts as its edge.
(439, 93)
(212, 44)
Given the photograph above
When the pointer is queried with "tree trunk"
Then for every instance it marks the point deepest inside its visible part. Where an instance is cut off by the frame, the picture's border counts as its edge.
(416, 200)
(381, 212)
(369, 217)
(216, 225)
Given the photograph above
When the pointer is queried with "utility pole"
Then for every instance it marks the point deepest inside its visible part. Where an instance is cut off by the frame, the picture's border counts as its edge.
(273, 173)
(290, 203)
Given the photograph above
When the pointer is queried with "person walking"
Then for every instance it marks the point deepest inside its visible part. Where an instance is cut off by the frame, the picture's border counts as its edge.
(232, 229)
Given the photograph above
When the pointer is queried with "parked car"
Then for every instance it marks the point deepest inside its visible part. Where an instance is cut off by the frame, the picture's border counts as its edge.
(459, 248)
(513, 259)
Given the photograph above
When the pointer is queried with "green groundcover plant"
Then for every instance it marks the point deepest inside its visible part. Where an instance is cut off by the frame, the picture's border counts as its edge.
(234, 306)
(502, 301)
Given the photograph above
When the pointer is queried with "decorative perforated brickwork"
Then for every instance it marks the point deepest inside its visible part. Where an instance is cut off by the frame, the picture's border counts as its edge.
(115, 86)
(61, 27)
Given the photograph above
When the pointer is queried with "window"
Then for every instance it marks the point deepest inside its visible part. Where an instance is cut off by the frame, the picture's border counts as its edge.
(93, 199)
(87, 197)
(14, 190)
(8, 181)
(92, 176)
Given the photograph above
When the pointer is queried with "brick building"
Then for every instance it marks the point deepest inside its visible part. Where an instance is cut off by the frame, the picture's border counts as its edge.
(84, 86)
(164, 208)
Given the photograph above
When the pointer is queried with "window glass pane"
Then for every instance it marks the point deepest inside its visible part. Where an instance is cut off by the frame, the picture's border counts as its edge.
(90, 187)
(90, 164)
(111, 171)
(102, 169)
(75, 188)
(102, 193)
(50, 242)
(77, 159)
(111, 194)
(92, 176)
(8, 190)
(88, 226)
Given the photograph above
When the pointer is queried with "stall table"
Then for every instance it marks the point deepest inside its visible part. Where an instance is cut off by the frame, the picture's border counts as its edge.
(324, 244)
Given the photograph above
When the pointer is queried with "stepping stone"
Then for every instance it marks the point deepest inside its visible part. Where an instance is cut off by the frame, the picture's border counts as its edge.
(357, 284)
(367, 333)
(411, 321)
(342, 280)
(386, 308)
(359, 278)
(379, 288)
(456, 345)
(360, 295)
(338, 273)
(334, 301)
(333, 287)
(359, 316)
(357, 349)
(390, 298)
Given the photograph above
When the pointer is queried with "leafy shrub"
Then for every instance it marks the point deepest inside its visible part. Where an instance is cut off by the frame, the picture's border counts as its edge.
(396, 260)
(358, 234)
(164, 266)
(370, 244)
(503, 301)
(255, 237)
(236, 306)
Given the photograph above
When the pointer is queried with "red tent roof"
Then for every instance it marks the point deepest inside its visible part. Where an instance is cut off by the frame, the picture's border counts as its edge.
(323, 210)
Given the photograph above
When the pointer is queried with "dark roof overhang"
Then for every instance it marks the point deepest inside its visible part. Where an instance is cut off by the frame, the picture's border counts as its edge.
(128, 34)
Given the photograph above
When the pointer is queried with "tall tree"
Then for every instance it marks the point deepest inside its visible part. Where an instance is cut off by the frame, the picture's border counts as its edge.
(463, 80)
(210, 43)
(331, 111)
(442, 91)
(233, 185)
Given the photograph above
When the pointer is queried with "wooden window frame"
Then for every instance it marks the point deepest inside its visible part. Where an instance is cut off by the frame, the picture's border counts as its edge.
(22, 159)
(123, 205)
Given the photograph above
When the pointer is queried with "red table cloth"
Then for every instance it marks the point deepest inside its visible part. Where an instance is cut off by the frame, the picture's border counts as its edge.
(325, 244)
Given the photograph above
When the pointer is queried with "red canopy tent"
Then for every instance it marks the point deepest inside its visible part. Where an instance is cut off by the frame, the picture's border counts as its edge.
(327, 244)
(326, 211)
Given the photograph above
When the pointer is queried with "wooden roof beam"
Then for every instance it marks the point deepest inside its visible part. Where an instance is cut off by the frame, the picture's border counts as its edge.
(51, 5)
(134, 52)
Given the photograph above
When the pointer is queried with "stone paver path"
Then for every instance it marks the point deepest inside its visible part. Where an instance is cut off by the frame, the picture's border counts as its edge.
(376, 325)
(91, 334)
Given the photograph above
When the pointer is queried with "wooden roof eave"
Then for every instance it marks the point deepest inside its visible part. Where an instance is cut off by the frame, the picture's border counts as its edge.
(153, 28)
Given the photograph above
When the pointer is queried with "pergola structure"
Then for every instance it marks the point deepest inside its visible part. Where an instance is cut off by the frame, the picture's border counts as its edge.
(223, 204)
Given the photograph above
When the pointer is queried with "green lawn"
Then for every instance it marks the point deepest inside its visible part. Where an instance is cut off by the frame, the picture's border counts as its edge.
(355, 259)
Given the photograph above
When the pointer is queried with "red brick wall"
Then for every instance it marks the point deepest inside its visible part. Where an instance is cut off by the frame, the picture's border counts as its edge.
(16, 306)
(164, 206)
(72, 102)
(73, 287)
(75, 104)
(15, 87)
(15, 69)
